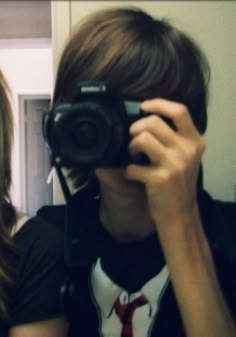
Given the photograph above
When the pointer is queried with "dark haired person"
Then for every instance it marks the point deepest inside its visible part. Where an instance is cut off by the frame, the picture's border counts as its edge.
(31, 250)
(151, 268)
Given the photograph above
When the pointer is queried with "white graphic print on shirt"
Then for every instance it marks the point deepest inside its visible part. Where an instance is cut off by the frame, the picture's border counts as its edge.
(105, 294)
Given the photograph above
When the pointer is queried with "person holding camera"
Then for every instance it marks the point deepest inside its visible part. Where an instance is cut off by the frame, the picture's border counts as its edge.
(31, 250)
(128, 118)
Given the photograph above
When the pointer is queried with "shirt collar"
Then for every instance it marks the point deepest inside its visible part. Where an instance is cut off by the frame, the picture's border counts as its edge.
(105, 291)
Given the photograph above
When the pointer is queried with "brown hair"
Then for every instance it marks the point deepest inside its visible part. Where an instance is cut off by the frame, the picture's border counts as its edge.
(7, 211)
(142, 57)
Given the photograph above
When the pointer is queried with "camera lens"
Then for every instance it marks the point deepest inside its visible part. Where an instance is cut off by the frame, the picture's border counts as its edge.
(85, 134)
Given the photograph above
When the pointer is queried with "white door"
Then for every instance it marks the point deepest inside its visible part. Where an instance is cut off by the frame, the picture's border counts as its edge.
(37, 166)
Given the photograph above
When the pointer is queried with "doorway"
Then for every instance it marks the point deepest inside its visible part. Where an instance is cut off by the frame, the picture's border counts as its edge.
(35, 159)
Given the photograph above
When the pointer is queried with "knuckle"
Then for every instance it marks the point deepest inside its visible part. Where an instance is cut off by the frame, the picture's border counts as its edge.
(195, 150)
(143, 138)
(178, 167)
(191, 153)
(181, 110)
(162, 177)
(199, 149)
(152, 119)
(202, 145)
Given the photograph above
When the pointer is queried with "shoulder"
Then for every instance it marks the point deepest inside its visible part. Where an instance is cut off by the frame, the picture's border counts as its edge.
(39, 272)
(37, 228)
(219, 219)
(210, 204)
(228, 208)
(37, 242)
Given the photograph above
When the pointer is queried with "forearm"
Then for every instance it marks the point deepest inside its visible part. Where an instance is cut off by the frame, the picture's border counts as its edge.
(200, 299)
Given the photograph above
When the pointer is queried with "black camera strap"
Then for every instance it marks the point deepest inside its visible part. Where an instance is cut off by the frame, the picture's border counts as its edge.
(78, 257)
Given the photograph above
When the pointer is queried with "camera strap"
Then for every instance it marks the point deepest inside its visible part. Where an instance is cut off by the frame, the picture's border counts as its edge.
(78, 229)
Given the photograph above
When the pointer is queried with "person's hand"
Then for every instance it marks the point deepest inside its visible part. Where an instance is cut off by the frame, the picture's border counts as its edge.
(175, 155)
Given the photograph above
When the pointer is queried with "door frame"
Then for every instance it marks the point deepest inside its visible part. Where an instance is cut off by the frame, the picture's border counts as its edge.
(22, 98)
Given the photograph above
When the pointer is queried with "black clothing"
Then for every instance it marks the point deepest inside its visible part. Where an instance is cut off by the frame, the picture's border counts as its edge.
(108, 267)
(39, 273)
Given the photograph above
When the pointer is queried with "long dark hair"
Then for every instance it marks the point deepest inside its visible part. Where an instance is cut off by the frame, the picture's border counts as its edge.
(7, 210)
(141, 56)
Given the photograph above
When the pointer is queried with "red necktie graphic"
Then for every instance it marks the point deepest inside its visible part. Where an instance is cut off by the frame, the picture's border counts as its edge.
(126, 312)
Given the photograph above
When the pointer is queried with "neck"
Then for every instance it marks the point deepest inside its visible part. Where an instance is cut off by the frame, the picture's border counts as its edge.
(125, 218)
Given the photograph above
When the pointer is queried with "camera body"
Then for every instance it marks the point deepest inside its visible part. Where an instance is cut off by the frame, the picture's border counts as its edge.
(92, 130)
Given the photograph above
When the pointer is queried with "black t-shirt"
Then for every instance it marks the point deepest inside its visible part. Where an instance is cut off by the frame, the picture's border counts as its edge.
(121, 275)
(39, 273)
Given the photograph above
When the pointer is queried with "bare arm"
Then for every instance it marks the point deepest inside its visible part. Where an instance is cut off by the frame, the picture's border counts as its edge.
(199, 296)
(57, 327)
(171, 187)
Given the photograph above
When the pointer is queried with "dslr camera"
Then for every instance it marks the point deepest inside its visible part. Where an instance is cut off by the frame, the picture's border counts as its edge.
(93, 129)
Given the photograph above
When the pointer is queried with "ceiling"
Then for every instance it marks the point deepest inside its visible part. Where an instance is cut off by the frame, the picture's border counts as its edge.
(25, 19)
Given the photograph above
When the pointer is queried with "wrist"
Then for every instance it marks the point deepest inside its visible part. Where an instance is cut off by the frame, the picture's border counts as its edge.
(184, 226)
(184, 239)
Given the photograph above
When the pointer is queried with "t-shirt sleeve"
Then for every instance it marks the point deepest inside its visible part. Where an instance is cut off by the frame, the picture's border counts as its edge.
(40, 272)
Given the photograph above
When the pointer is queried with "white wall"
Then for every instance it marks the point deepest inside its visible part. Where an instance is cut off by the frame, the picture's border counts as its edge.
(27, 65)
